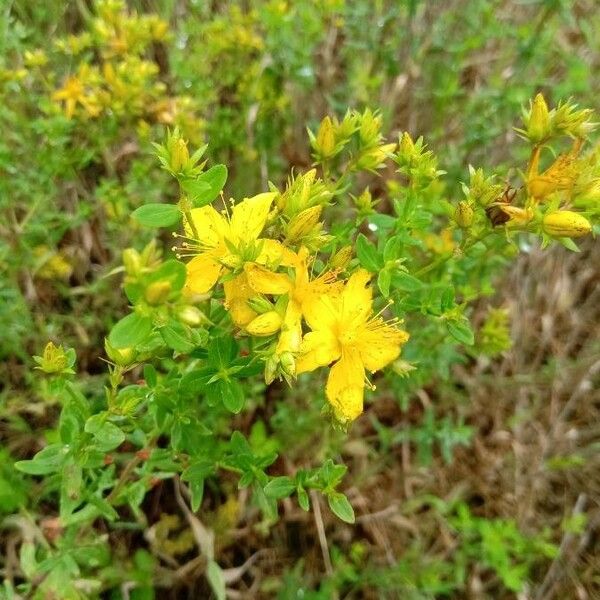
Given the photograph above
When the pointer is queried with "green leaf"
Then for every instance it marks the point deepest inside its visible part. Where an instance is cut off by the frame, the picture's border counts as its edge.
(569, 244)
(222, 351)
(176, 337)
(279, 487)
(214, 574)
(150, 375)
(157, 215)
(367, 254)
(303, 499)
(341, 507)
(461, 331)
(172, 271)
(130, 331)
(108, 436)
(405, 282)
(212, 182)
(48, 460)
(232, 394)
(384, 279)
(447, 299)
(195, 475)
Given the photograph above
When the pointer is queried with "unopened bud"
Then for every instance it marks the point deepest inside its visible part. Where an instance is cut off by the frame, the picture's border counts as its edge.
(53, 360)
(566, 223)
(288, 364)
(303, 223)
(325, 142)
(538, 127)
(191, 315)
(407, 146)
(157, 292)
(463, 215)
(260, 304)
(370, 126)
(341, 258)
(179, 155)
(271, 369)
(265, 324)
(132, 262)
(120, 356)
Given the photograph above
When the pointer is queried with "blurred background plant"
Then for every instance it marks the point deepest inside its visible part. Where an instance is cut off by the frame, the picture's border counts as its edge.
(474, 473)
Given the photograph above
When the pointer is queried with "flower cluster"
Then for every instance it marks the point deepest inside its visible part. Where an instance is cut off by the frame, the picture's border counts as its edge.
(270, 289)
(116, 74)
(544, 203)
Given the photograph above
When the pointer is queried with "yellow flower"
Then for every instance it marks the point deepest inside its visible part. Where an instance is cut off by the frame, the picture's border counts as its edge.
(345, 330)
(72, 93)
(559, 176)
(303, 295)
(222, 242)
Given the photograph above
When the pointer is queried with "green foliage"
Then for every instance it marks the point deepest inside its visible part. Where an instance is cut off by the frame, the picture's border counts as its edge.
(100, 101)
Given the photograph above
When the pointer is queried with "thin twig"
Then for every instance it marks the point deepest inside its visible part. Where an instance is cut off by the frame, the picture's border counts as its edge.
(321, 532)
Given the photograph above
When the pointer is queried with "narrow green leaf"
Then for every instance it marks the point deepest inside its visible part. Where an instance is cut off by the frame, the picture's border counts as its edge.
(384, 279)
(214, 574)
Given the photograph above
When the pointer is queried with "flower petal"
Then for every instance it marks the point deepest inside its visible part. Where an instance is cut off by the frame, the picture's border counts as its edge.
(210, 225)
(202, 273)
(379, 344)
(266, 282)
(250, 216)
(345, 386)
(356, 299)
(318, 348)
(321, 312)
(237, 294)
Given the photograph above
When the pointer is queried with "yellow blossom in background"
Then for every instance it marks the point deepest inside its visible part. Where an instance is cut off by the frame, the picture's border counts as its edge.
(226, 242)
(345, 330)
(73, 93)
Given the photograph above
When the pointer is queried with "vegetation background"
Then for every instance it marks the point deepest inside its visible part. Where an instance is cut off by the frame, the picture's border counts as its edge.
(501, 449)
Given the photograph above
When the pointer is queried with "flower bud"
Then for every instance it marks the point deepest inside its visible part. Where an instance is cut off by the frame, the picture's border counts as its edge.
(132, 262)
(191, 315)
(325, 142)
(265, 324)
(407, 146)
(288, 364)
(341, 258)
(157, 292)
(260, 304)
(54, 360)
(271, 369)
(463, 215)
(566, 223)
(538, 127)
(120, 356)
(370, 126)
(179, 155)
(303, 223)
